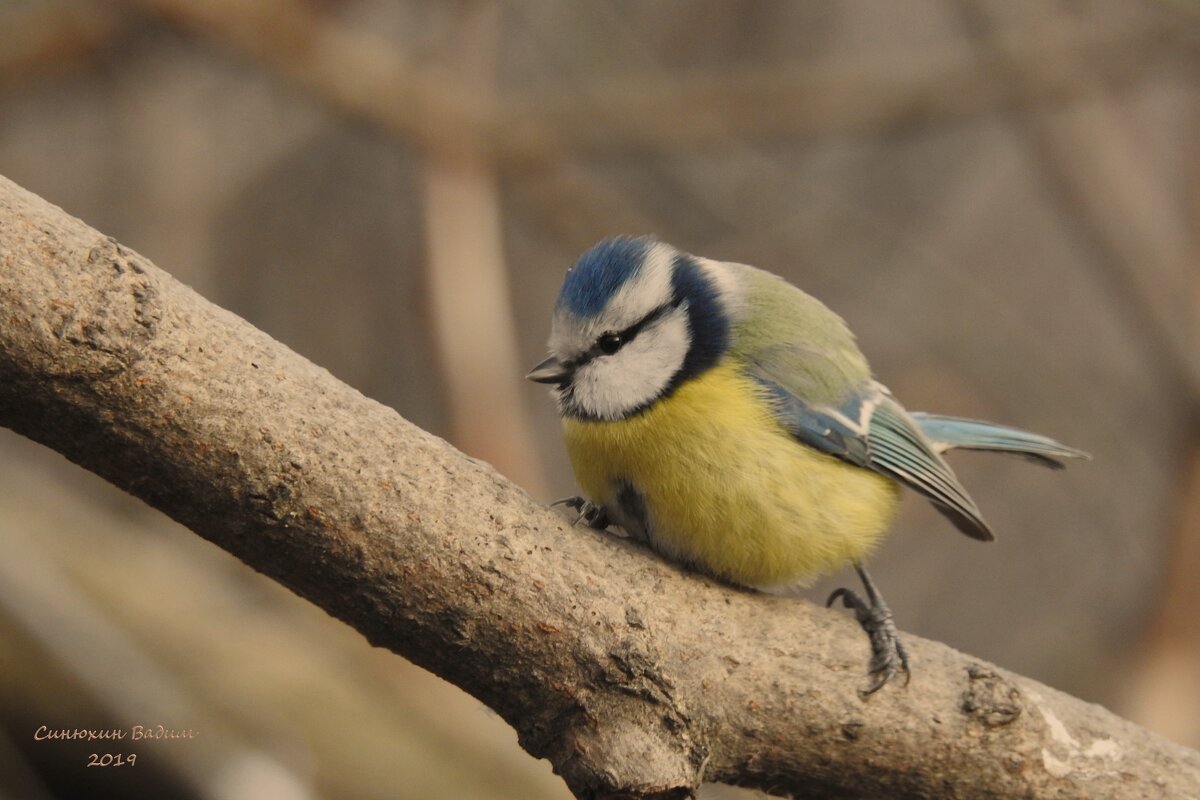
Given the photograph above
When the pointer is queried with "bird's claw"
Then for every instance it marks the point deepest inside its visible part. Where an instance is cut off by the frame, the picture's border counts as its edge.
(593, 515)
(888, 655)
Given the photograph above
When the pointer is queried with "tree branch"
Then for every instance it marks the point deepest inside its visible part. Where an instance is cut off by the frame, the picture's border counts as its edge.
(634, 678)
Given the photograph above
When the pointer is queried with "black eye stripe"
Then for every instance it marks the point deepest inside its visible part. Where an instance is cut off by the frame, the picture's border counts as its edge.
(633, 330)
(626, 335)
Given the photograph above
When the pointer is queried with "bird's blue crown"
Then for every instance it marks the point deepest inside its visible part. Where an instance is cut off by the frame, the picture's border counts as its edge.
(600, 273)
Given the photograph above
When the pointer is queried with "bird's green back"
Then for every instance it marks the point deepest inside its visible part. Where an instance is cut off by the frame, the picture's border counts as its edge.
(794, 340)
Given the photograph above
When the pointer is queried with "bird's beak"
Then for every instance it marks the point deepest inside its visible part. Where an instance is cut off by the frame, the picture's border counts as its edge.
(549, 371)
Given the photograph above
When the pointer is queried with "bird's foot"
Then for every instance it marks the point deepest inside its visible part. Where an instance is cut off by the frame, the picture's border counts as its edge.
(592, 515)
(888, 656)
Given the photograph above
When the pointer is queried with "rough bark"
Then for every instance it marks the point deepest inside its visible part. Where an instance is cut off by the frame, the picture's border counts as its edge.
(633, 677)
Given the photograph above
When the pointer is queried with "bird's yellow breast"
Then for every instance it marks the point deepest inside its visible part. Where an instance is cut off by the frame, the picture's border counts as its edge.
(719, 484)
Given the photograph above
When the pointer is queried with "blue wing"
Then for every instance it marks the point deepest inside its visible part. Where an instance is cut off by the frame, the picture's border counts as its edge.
(821, 391)
(871, 430)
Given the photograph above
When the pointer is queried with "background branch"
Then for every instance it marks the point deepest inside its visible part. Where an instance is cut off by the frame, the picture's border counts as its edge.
(632, 677)
(364, 75)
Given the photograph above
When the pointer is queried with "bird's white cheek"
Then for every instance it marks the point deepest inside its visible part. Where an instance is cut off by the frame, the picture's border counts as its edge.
(613, 386)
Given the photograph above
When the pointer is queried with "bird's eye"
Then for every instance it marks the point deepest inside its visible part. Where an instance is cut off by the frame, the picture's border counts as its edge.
(610, 343)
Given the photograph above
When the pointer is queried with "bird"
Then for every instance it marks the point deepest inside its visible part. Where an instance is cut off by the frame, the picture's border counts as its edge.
(729, 421)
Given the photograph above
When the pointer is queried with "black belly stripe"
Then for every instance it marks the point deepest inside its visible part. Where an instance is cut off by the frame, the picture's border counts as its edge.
(633, 510)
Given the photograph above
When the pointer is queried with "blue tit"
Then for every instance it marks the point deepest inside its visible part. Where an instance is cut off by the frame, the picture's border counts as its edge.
(729, 421)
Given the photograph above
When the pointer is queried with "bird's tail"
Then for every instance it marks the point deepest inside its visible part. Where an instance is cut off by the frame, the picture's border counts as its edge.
(948, 433)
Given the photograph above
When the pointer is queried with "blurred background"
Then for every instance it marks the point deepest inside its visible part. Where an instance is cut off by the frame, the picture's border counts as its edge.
(999, 196)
